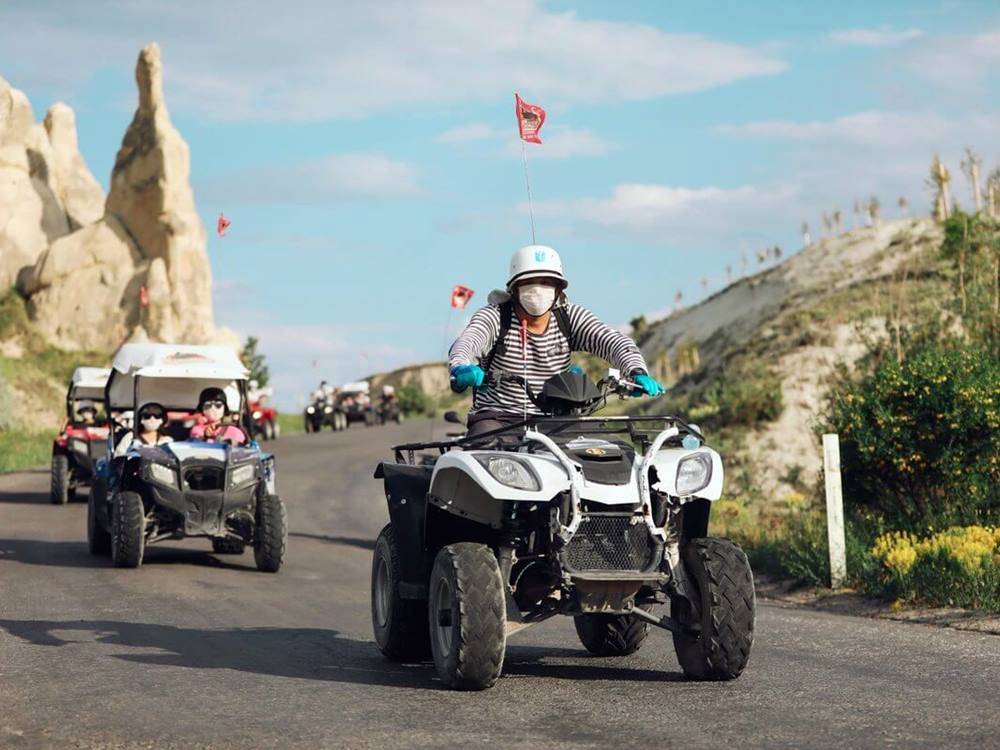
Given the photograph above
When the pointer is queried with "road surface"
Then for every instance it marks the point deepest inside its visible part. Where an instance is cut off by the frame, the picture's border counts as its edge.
(200, 650)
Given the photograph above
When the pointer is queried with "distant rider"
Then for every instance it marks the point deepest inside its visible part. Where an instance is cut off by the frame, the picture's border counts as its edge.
(214, 407)
(555, 328)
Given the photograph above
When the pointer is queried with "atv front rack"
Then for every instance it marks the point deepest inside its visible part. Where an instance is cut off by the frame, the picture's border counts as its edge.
(511, 437)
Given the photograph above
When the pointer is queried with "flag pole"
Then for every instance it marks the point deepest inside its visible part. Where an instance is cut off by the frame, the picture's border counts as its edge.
(527, 184)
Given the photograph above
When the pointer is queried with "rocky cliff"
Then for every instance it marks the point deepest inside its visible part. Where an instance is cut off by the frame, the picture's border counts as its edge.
(82, 260)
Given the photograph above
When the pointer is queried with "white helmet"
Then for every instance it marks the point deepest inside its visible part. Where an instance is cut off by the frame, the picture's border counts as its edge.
(535, 262)
(388, 390)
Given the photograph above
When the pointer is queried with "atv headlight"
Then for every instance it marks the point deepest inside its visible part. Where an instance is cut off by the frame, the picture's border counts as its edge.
(694, 473)
(310, 409)
(163, 474)
(257, 415)
(242, 475)
(511, 472)
(328, 409)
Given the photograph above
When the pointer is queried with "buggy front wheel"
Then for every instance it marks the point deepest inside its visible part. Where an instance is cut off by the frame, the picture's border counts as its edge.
(270, 535)
(128, 530)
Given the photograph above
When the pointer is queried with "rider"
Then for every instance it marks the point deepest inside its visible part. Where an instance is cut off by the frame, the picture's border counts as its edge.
(535, 302)
(214, 407)
(87, 412)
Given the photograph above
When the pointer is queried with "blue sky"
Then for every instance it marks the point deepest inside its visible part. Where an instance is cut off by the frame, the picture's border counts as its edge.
(366, 152)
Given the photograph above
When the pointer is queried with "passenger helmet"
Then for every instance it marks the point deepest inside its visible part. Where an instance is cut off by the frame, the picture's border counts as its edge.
(535, 262)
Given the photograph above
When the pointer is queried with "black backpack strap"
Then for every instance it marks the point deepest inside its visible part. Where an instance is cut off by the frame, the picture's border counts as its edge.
(500, 345)
(562, 320)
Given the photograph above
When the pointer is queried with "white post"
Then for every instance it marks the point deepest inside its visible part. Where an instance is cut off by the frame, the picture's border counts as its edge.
(834, 510)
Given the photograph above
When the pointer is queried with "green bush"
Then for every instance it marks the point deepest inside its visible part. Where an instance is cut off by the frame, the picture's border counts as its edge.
(13, 314)
(744, 396)
(24, 450)
(920, 440)
(413, 400)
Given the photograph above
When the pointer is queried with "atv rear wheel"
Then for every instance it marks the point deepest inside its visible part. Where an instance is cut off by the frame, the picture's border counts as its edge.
(128, 530)
(270, 535)
(227, 545)
(400, 624)
(720, 571)
(98, 539)
(611, 635)
(467, 616)
(61, 491)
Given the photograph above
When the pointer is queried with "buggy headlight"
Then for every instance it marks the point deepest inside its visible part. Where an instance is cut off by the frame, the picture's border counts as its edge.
(694, 473)
(163, 474)
(242, 475)
(511, 472)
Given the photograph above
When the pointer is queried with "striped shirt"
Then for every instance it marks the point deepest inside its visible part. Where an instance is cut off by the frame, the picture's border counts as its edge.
(547, 354)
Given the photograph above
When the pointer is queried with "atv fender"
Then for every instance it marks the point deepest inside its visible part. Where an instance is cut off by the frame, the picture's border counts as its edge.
(406, 489)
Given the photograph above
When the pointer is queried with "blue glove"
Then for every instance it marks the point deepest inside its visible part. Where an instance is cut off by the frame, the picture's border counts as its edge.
(464, 376)
(647, 386)
(576, 370)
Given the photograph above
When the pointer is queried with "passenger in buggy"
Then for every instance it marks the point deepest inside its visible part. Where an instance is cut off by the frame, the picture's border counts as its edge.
(152, 420)
(213, 409)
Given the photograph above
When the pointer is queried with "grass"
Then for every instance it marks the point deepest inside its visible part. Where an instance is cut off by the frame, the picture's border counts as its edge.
(24, 450)
(291, 422)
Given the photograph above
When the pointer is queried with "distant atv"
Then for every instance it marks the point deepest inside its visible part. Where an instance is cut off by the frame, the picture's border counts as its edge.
(390, 411)
(324, 412)
(79, 445)
(189, 487)
(265, 420)
(601, 519)
(354, 400)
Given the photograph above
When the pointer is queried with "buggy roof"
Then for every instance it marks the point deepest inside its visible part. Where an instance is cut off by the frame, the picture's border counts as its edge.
(182, 370)
(88, 382)
(360, 386)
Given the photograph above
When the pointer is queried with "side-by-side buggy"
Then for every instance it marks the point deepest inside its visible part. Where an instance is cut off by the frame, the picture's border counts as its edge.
(188, 487)
(83, 438)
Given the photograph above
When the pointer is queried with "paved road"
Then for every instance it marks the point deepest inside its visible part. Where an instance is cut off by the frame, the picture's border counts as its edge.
(198, 650)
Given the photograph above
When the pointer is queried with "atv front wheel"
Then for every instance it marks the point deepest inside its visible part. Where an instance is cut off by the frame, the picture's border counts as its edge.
(720, 572)
(227, 545)
(61, 491)
(128, 530)
(98, 539)
(467, 616)
(611, 635)
(400, 624)
(270, 535)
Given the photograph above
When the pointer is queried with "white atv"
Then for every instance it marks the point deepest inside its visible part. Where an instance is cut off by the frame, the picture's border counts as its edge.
(601, 518)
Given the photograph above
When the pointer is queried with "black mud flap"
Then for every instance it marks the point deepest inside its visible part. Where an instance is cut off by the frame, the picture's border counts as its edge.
(406, 489)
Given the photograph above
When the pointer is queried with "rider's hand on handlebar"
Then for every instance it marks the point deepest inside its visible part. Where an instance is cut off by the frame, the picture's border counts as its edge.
(647, 386)
(464, 376)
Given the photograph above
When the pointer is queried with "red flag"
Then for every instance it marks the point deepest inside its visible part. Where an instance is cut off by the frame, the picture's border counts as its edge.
(222, 225)
(143, 296)
(530, 118)
(460, 296)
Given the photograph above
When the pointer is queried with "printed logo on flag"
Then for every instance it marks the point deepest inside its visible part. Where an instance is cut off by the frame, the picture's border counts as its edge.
(460, 296)
(530, 118)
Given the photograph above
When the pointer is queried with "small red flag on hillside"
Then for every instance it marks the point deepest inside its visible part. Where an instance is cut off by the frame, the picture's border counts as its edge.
(143, 296)
(222, 225)
(530, 118)
(460, 296)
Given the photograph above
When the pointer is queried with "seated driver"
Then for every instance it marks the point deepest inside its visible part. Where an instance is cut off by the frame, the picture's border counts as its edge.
(213, 408)
(87, 413)
(554, 329)
(152, 420)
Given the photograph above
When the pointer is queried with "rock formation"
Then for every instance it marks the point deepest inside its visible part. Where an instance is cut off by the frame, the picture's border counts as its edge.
(80, 260)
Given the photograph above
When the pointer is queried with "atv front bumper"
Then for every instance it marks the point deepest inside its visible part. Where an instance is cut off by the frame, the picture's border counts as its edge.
(204, 511)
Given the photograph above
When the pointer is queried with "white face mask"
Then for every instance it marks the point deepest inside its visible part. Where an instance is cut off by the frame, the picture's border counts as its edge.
(536, 299)
(151, 424)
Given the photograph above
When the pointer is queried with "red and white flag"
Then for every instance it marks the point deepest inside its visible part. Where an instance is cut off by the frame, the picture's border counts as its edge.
(530, 118)
(222, 225)
(460, 296)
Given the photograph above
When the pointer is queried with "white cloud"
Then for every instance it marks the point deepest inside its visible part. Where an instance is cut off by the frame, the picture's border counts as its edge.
(677, 216)
(474, 131)
(558, 141)
(348, 59)
(880, 37)
(888, 130)
(956, 61)
(338, 176)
